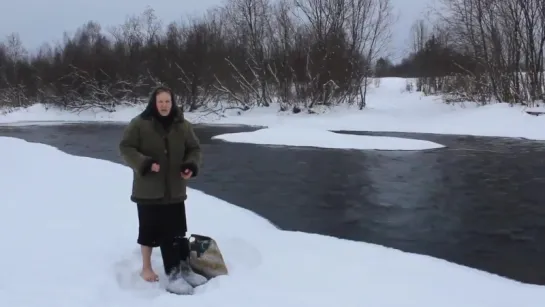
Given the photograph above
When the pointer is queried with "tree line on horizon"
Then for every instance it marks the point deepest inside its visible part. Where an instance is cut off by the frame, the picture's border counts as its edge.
(297, 53)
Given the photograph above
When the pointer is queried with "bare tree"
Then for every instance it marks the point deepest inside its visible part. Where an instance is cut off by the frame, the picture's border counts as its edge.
(250, 25)
(498, 44)
(368, 25)
(247, 53)
(419, 38)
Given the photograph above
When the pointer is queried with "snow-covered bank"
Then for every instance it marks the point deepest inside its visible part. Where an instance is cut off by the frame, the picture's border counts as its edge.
(71, 241)
(312, 137)
(389, 108)
(40, 113)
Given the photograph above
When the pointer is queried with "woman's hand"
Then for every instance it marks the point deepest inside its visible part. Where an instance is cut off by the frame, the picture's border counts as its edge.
(186, 174)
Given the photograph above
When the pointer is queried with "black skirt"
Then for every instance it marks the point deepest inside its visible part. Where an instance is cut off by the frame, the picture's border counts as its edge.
(160, 223)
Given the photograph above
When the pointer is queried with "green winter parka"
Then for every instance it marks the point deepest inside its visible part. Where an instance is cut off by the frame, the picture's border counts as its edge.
(145, 141)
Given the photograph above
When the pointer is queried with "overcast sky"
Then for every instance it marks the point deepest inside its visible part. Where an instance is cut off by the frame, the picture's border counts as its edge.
(39, 21)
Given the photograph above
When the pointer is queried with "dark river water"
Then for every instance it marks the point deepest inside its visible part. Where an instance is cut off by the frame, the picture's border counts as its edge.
(480, 202)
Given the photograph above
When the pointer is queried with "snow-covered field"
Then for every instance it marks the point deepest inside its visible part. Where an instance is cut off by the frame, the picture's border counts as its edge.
(69, 235)
(390, 108)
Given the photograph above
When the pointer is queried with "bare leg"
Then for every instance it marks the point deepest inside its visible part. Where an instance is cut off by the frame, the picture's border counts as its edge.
(147, 271)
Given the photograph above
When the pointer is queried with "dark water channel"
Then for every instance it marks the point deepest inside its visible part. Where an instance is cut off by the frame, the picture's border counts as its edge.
(480, 202)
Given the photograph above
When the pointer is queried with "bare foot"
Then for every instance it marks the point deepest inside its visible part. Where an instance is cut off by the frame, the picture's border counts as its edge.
(149, 275)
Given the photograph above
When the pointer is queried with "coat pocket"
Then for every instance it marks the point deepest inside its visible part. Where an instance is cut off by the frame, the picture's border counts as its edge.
(177, 183)
(149, 186)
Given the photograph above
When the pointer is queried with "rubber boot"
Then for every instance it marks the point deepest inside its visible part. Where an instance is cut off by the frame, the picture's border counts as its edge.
(186, 271)
(176, 284)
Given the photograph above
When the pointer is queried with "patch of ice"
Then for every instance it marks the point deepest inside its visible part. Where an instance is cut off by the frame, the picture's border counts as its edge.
(312, 137)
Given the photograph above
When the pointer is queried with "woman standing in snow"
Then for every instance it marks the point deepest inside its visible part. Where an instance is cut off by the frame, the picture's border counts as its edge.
(163, 152)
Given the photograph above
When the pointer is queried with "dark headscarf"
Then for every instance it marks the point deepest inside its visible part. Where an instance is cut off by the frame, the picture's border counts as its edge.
(152, 111)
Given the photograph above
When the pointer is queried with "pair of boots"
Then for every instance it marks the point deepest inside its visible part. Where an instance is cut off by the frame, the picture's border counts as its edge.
(181, 278)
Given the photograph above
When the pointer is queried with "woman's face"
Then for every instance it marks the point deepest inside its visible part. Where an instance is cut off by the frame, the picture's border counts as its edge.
(163, 103)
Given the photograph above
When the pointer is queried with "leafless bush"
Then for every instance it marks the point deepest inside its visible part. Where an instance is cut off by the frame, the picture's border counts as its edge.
(482, 50)
(247, 53)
